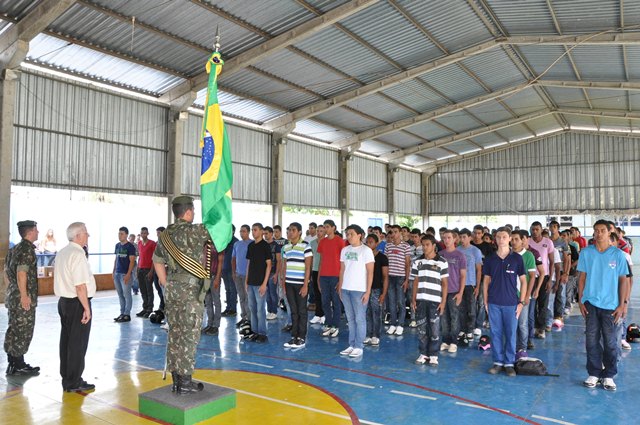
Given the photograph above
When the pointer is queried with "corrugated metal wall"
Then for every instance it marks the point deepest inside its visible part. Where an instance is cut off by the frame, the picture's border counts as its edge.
(564, 173)
(72, 136)
(407, 192)
(367, 185)
(250, 154)
(310, 175)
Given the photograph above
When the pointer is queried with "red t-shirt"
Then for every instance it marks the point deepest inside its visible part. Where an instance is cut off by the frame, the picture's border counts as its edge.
(145, 253)
(330, 260)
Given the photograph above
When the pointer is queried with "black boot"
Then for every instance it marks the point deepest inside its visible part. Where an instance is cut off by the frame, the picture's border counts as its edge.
(11, 367)
(176, 381)
(187, 386)
(22, 368)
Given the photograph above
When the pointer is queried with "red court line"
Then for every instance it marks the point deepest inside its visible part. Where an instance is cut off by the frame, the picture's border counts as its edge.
(433, 390)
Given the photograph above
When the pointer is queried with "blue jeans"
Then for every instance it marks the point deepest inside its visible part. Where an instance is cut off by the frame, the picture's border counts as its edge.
(356, 316)
(602, 340)
(481, 316)
(330, 300)
(503, 322)
(428, 320)
(523, 329)
(396, 300)
(124, 293)
(257, 304)
(449, 320)
(135, 285)
(230, 293)
(374, 314)
(272, 295)
(532, 318)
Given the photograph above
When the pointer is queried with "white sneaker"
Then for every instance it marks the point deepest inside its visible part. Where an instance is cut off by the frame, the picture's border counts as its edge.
(375, 341)
(327, 331)
(316, 319)
(322, 320)
(433, 360)
(422, 359)
(608, 384)
(334, 332)
(413, 324)
(356, 352)
(477, 332)
(625, 345)
(391, 330)
(453, 348)
(399, 330)
(165, 326)
(591, 382)
(346, 351)
(444, 346)
(557, 323)
(367, 341)
(272, 316)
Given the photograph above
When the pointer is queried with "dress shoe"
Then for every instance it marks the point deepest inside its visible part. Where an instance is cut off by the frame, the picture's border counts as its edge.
(117, 319)
(141, 313)
(84, 386)
(211, 331)
(124, 318)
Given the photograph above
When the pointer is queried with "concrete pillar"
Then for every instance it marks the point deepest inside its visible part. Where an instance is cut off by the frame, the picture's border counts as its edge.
(391, 189)
(343, 189)
(424, 189)
(177, 122)
(278, 143)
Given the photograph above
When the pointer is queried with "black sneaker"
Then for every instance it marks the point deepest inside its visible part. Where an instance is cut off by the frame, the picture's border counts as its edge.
(117, 319)
(290, 343)
(300, 343)
(147, 314)
(205, 329)
(287, 328)
(252, 337)
(510, 371)
(240, 323)
(212, 331)
(84, 386)
(530, 345)
(232, 313)
(124, 318)
(225, 313)
(26, 369)
(141, 314)
(261, 339)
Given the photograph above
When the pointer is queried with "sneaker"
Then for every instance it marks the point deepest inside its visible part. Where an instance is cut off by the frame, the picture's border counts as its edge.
(399, 330)
(547, 328)
(495, 369)
(165, 326)
(391, 330)
(444, 346)
(141, 313)
(485, 324)
(315, 320)
(241, 322)
(540, 334)
(334, 332)
(290, 343)
(117, 319)
(530, 345)
(557, 323)
(375, 341)
(212, 331)
(299, 343)
(346, 351)
(124, 318)
(287, 328)
(520, 354)
(625, 345)
(592, 381)
(470, 335)
(357, 352)
(413, 324)
(453, 348)
(460, 334)
(326, 331)
(567, 311)
(261, 339)
(205, 329)
(510, 371)
(387, 318)
(608, 384)
(272, 316)
(367, 341)
(422, 359)
(477, 332)
(433, 360)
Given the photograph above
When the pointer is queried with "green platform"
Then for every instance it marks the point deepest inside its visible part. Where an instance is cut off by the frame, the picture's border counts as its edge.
(170, 407)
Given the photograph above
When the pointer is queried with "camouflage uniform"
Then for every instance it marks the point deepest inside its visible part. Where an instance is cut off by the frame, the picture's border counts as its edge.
(183, 309)
(21, 257)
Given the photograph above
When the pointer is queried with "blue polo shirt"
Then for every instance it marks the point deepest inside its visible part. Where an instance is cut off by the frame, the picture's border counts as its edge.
(603, 270)
(503, 289)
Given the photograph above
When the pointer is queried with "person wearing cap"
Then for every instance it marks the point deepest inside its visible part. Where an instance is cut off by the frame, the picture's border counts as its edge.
(21, 299)
(182, 286)
(354, 286)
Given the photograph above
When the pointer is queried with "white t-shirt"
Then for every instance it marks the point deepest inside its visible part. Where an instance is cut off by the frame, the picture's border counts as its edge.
(70, 270)
(355, 261)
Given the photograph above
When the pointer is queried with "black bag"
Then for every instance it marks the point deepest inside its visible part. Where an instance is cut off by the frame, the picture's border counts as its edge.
(530, 366)
(633, 332)
(157, 317)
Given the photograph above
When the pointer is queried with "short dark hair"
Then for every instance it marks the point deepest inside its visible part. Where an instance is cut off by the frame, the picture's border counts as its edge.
(523, 233)
(429, 237)
(465, 231)
(162, 229)
(431, 230)
(536, 223)
(613, 236)
(478, 227)
(373, 236)
(142, 229)
(246, 227)
(268, 229)
(554, 222)
(296, 225)
(258, 225)
(415, 231)
(405, 228)
(503, 229)
(23, 230)
(313, 224)
(355, 228)
(378, 228)
(601, 222)
(396, 226)
(124, 229)
(442, 229)
(330, 222)
(277, 227)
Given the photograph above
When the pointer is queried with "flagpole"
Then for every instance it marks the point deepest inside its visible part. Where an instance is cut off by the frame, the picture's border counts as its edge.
(216, 44)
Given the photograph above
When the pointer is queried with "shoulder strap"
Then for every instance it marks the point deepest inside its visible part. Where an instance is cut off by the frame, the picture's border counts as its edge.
(186, 262)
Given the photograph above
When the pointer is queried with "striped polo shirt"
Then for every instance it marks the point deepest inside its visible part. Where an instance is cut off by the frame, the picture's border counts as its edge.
(429, 274)
(295, 255)
(397, 255)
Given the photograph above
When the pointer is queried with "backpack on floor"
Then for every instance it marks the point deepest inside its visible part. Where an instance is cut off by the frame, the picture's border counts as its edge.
(530, 366)
(633, 332)
(157, 317)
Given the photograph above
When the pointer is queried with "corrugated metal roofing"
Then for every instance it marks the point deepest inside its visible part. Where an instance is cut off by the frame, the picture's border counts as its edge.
(16, 9)
(416, 95)
(608, 99)
(591, 16)
(454, 83)
(527, 17)
(463, 146)
(484, 67)
(350, 120)
(320, 131)
(599, 62)
(491, 112)
(524, 102)
(459, 122)
(380, 107)
(570, 98)
(400, 139)
(429, 130)
(549, 61)
(372, 147)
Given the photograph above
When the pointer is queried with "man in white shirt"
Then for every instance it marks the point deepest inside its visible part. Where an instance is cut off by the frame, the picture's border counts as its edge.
(74, 283)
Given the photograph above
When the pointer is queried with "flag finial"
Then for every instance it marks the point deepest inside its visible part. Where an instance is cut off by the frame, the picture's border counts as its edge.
(216, 45)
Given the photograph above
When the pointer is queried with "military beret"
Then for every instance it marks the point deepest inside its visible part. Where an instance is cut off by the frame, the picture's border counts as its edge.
(182, 200)
(27, 223)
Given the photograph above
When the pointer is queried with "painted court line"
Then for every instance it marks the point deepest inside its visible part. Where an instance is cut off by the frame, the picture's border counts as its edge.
(354, 384)
(313, 375)
(426, 397)
(134, 364)
(257, 364)
(557, 421)
(478, 407)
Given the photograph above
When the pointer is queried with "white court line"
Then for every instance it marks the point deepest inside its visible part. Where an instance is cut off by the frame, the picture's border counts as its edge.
(354, 383)
(558, 421)
(300, 406)
(257, 364)
(302, 373)
(134, 364)
(479, 407)
(426, 397)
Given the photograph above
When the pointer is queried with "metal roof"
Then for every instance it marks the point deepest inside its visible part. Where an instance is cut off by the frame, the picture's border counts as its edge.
(393, 75)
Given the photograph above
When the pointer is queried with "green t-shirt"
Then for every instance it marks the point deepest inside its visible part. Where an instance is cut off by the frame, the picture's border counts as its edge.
(529, 266)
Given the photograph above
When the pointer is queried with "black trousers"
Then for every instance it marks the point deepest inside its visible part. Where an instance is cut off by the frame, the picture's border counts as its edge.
(74, 338)
(298, 305)
(541, 305)
(146, 289)
(316, 290)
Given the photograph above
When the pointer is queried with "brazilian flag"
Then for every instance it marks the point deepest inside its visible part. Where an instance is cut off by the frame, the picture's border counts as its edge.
(216, 177)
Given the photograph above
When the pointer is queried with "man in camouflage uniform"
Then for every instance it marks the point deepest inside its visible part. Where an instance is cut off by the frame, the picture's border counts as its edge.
(22, 298)
(182, 288)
